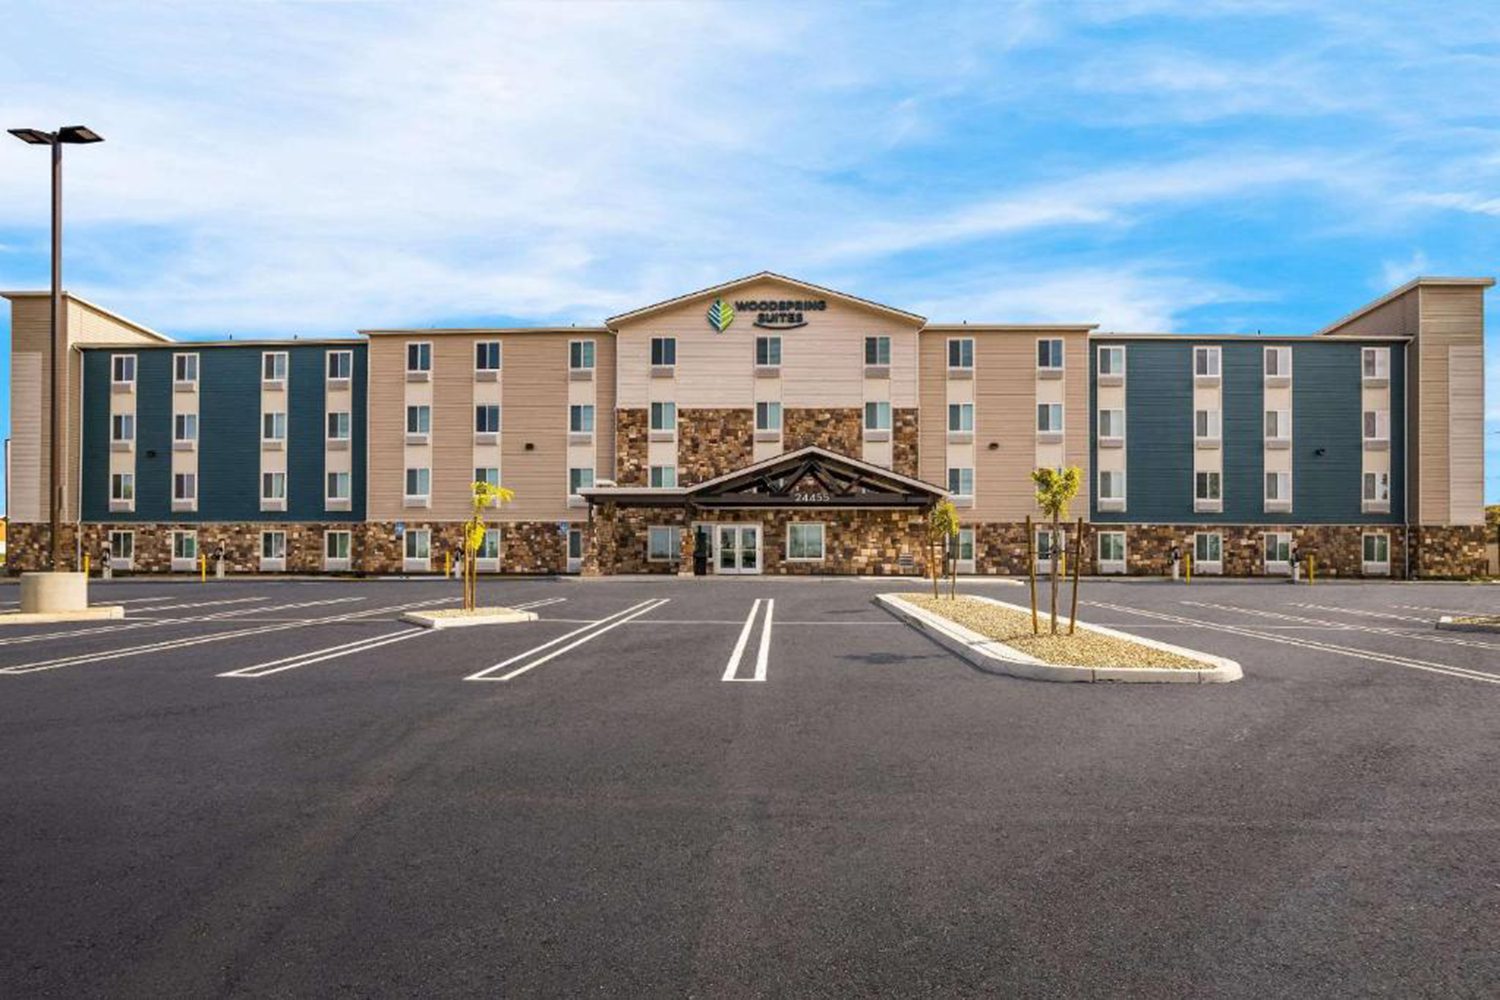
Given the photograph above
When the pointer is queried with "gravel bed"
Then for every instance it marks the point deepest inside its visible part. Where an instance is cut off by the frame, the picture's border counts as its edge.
(1477, 620)
(461, 613)
(1084, 648)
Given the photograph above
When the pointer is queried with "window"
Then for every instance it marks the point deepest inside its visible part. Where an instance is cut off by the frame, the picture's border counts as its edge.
(1375, 362)
(1278, 362)
(575, 543)
(1112, 485)
(185, 427)
(273, 485)
(184, 486)
(1206, 486)
(961, 417)
(1111, 423)
(664, 416)
(121, 546)
(581, 418)
(419, 357)
(1049, 418)
(122, 486)
(877, 350)
(338, 486)
(418, 483)
(877, 416)
(965, 552)
(273, 545)
(418, 419)
(804, 542)
(663, 544)
(418, 547)
(663, 476)
(1049, 355)
(1112, 551)
(273, 426)
(338, 425)
(184, 546)
(663, 352)
(1207, 425)
(961, 352)
(1377, 487)
(1377, 425)
(1377, 553)
(1112, 361)
(488, 474)
(487, 356)
(1208, 548)
(1278, 425)
(1278, 547)
(1206, 362)
(768, 417)
(580, 479)
(487, 419)
(340, 365)
(1279, 487)
(122, 427)
(336, 546)
(185, 369)
(581, 355)
(122, 369)
(768, 351)
(961, 482)
(489, 549)
(1044, 545)
(273, 366)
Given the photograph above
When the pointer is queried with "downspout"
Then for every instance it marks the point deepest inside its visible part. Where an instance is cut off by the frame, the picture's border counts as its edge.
(1406, 453)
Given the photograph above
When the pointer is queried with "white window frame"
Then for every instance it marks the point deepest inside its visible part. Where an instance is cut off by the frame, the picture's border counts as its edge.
(1382, 427)
(121, 556)
(1282, 354)
(1283, 421)
(770, 358)
(1115, 436)
(672, 551)
(1211, 433)
(577, 482)
(581, 419)
(182, 422)
(768, 408)
(190, 495)
(663, 477)
(423, 478)
(119, 422)
(1374, 567)
(483, 409)
(331, 561)
(882, 344)
(268, 493)
(959, 496)
(1278, 502)
(1276, 567)
(187, 382)
(331, 361)
(483, 347)
(1110, 377)
(1214, 366)
(880, 410)
(277, 436)
(1107, 502)
(660, 409)
(965, 414)
(1055, 364)
(422, 370)
(1111, 566)
(586, 356)
(661, 347)
(1208, 503)
(1048, 409)
(274, 366)
(122, 379)
(1382, 365)
(122, 491)
(184, 563)
(964, 345)
(424, 426)
(965, 541)
(416, 563)
(490, 563)
(821, 535)
(1375, 492)
(330, 478)
(1208, 567)
(339, 421)
(276, 562)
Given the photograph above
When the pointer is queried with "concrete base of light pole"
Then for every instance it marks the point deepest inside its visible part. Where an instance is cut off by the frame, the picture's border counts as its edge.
(57, 597)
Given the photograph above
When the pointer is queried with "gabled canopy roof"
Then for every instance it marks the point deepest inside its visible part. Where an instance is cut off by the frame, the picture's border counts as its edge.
(809, 477)
(729, 286)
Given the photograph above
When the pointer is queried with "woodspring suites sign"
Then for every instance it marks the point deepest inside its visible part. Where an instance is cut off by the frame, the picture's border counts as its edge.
(770, 314)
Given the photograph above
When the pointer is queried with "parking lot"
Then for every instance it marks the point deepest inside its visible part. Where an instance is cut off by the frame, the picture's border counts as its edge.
(737, 787)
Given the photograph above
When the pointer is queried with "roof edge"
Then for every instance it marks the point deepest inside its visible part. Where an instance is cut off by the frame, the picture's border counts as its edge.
(433, 331)
(1395, 293)
(656, 307)
(70, 297)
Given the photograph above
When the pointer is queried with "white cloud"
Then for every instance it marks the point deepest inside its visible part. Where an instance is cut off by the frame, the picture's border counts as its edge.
(1394, 273)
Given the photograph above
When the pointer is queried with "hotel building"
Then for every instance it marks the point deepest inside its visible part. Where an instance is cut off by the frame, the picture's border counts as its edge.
(781, 426)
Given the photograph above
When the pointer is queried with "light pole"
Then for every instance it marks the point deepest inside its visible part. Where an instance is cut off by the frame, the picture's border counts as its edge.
(68, 135)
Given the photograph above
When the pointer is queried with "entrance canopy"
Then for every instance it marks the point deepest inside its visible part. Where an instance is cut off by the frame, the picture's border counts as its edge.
(808, 478)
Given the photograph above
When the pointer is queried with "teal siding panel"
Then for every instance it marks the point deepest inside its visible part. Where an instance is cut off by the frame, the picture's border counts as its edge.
(305, 430)
(229, 435)
(1243, 398)
(95, 436)
(153, 436)
(1158, 434)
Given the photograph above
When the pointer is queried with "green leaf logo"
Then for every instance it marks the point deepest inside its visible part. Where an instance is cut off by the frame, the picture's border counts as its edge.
(720, 315)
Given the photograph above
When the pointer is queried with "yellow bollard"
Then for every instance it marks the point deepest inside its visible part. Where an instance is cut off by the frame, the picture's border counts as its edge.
(85, 564)
(447, 564)
(1187, 563)
(1312, 569)
(202, 568)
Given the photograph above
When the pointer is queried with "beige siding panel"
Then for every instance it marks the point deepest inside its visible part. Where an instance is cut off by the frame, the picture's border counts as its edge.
(387, 429)
(535, 388)
(1397, 317)
(453, 426)
(30, 396)
(822, 362)
(1004, 415)
(1466, 434)
(1076, 415)
(932, 412)
(1450, 317)
(604, 408)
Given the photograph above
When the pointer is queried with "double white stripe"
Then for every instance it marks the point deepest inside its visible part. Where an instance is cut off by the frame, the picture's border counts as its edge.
(1403, 633)
(592, 630)
(1327, 647)
(139, 623)
(762, 655)
(187, 641)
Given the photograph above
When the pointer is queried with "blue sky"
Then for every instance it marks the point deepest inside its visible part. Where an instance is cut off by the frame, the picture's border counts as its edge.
(304, 169)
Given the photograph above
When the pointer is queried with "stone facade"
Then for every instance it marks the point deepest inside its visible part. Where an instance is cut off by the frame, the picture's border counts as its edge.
(1338, 548)
(1000, 548)
(904, 440)
(28, 548)
(1449, 551)
(839, 429)
(711, 442)
(632, 429)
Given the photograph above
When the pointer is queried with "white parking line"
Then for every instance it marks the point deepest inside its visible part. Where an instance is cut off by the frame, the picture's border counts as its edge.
(1327, 647)
(1364, 613)
(187, 641)
(140, 623)
(1401, 633)
(762, 655)
(195, 604)
(593, 630)
(312, 656)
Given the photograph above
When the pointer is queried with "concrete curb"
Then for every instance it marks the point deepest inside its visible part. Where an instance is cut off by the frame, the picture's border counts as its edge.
(1447, 623)
(99, 612)
(996, 657)
(506, 616)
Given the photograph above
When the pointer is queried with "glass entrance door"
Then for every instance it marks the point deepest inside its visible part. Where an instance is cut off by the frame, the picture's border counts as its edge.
(737, 549)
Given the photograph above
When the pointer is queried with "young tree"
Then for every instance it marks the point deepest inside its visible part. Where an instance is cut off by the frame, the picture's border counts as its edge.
(942, 524)
(484, 496)
(1055, 489)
